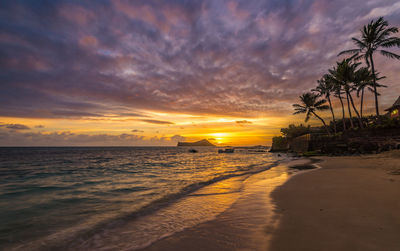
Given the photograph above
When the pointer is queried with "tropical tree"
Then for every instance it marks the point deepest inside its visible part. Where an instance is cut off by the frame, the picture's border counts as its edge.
(309, 105)
(325, 88)
(293, 131)
(344, 75)
(374, 36)
(337, 92)
(363, 78)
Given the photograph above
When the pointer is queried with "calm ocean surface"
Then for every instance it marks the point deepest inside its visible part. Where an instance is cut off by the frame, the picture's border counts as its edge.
(53, 196)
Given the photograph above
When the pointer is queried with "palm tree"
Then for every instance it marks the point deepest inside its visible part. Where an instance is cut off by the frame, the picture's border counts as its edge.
(309, 105)
(344, 75)
(363, 78)
(374, 36)
(324, 88)
(337, 90)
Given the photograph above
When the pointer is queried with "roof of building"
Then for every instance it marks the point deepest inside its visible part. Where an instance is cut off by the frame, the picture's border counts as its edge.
(395, 105)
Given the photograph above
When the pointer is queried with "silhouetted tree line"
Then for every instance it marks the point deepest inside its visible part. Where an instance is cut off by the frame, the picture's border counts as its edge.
(349, 79)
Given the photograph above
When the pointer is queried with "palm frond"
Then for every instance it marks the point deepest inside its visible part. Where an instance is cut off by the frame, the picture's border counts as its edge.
(299, 112)
(389, 54)
(319, 103)
(383, 33)
(322, 107)
(372, 90)
(390, 42)
(357, 57)
(380, 85)
(298, 106)
(359, 43)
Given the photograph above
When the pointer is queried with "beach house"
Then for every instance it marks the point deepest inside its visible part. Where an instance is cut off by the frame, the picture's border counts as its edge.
(394, 110)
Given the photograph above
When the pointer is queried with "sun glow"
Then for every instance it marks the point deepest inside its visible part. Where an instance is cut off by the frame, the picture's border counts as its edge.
(220, 137)
(154, 129)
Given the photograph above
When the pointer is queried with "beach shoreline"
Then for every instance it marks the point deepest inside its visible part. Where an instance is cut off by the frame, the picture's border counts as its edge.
(347, 203)
(246, 225)
(351, 203)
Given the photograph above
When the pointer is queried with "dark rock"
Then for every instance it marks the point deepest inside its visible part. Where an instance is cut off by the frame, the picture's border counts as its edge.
(203, 142)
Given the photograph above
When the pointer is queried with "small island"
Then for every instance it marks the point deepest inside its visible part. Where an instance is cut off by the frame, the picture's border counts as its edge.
(203, 142)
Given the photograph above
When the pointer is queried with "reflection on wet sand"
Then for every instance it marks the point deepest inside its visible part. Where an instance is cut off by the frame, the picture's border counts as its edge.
(245, 225)
(215, 217)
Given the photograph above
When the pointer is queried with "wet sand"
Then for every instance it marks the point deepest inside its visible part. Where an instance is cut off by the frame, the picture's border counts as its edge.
(246, 225)
(352, 203)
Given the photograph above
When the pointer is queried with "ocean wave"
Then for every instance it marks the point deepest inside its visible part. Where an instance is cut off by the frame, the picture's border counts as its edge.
(120, 220)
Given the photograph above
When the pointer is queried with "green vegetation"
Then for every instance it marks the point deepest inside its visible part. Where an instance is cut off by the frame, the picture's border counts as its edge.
(310, 104)
(349, 77)
(375, 35)
(324, 88)
(279, 143)
(347, 81)
(312, 153)
(293, 131)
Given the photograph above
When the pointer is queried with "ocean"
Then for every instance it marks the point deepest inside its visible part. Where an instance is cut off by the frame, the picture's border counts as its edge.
(71, 197)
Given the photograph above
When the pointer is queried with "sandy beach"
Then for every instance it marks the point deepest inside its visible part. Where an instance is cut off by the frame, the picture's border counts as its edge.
(351, 203)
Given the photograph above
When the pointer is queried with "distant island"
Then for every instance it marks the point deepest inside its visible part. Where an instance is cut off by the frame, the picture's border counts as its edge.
(203, 142)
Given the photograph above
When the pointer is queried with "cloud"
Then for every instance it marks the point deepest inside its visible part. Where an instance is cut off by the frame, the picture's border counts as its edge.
(65, 138)
(177, 138)
(211, 139)
(89, 41)
(158, 122)
(236, 58)
(383, 11)
(39, 126)
(136, 130)
(15, 126)
(241, 122)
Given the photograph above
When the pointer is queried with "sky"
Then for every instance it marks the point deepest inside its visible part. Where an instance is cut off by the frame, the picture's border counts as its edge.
(144, 73)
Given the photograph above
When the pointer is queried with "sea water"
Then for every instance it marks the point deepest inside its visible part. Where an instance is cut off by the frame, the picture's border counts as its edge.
(65, 197)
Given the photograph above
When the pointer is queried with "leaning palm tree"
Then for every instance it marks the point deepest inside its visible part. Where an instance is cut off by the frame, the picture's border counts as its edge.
(338, 92)
(344, 75)
(324, 88)
(374, 36)
(339, 77)
(363, 78)
(309, 105)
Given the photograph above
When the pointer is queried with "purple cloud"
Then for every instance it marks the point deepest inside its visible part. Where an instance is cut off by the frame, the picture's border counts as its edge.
(157, 122)
(15, 126)
(236, 58)
(18, 138)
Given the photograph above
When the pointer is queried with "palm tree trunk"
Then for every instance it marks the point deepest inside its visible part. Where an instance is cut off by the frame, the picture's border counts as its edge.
(343, 114)
(355, 109)
(348, 106)
(374, 78)
(323, 122)
(333, 114)
(362, 102)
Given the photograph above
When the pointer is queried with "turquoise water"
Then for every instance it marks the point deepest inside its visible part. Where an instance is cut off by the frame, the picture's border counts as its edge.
(68, 194)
